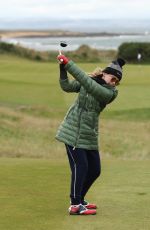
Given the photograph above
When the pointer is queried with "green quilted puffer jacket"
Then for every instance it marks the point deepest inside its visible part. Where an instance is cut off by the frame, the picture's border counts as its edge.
(80, 125)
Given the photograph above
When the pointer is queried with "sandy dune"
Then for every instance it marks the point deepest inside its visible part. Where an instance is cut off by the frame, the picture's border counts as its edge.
(14, 34)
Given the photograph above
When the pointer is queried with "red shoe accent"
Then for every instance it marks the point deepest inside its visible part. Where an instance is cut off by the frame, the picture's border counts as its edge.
(74, 209)
(91, 206)
(81, 210)
(88, 212)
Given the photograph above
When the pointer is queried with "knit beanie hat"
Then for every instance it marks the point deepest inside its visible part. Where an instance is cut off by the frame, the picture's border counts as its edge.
(115, 68)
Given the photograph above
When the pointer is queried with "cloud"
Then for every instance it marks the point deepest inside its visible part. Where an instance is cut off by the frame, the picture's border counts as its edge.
(74, 9)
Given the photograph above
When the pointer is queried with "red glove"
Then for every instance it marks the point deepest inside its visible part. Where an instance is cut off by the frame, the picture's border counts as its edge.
(62, 59)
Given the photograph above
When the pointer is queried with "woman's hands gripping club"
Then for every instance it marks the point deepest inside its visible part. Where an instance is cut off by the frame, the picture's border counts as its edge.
(62, 59)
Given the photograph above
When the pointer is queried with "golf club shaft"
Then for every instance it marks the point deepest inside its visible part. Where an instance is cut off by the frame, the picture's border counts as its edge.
(61, 60)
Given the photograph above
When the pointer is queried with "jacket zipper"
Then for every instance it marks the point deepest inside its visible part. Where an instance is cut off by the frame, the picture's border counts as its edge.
(79, 124)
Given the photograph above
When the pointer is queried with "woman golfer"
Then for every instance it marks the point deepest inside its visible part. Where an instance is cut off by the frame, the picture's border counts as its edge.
(79, 129)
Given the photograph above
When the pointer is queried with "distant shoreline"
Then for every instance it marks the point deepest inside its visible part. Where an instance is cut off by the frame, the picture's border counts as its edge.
(54, 33)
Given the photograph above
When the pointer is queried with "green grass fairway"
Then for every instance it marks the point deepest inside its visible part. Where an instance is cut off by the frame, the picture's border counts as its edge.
(34, 195)
(24, 82)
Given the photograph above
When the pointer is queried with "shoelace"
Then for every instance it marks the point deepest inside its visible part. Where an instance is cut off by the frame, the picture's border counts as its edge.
(82, 208)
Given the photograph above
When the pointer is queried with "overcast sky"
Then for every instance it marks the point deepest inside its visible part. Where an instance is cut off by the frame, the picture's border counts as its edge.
(74, 9)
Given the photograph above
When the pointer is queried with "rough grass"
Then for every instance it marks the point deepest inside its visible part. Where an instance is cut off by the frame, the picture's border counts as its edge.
(25, 135)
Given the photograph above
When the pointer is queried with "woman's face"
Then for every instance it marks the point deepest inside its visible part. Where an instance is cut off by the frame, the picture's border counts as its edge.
(110, 79)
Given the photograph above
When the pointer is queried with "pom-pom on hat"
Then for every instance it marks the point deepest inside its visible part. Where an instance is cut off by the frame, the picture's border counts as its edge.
(115, 68)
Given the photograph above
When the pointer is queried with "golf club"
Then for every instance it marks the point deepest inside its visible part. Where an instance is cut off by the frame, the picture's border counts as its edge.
(62, 45)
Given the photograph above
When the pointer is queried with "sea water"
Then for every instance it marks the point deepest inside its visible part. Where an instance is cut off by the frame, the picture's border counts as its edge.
(97, 42)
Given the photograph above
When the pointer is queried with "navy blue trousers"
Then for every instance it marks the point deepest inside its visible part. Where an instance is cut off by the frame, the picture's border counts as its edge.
(85, 167)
